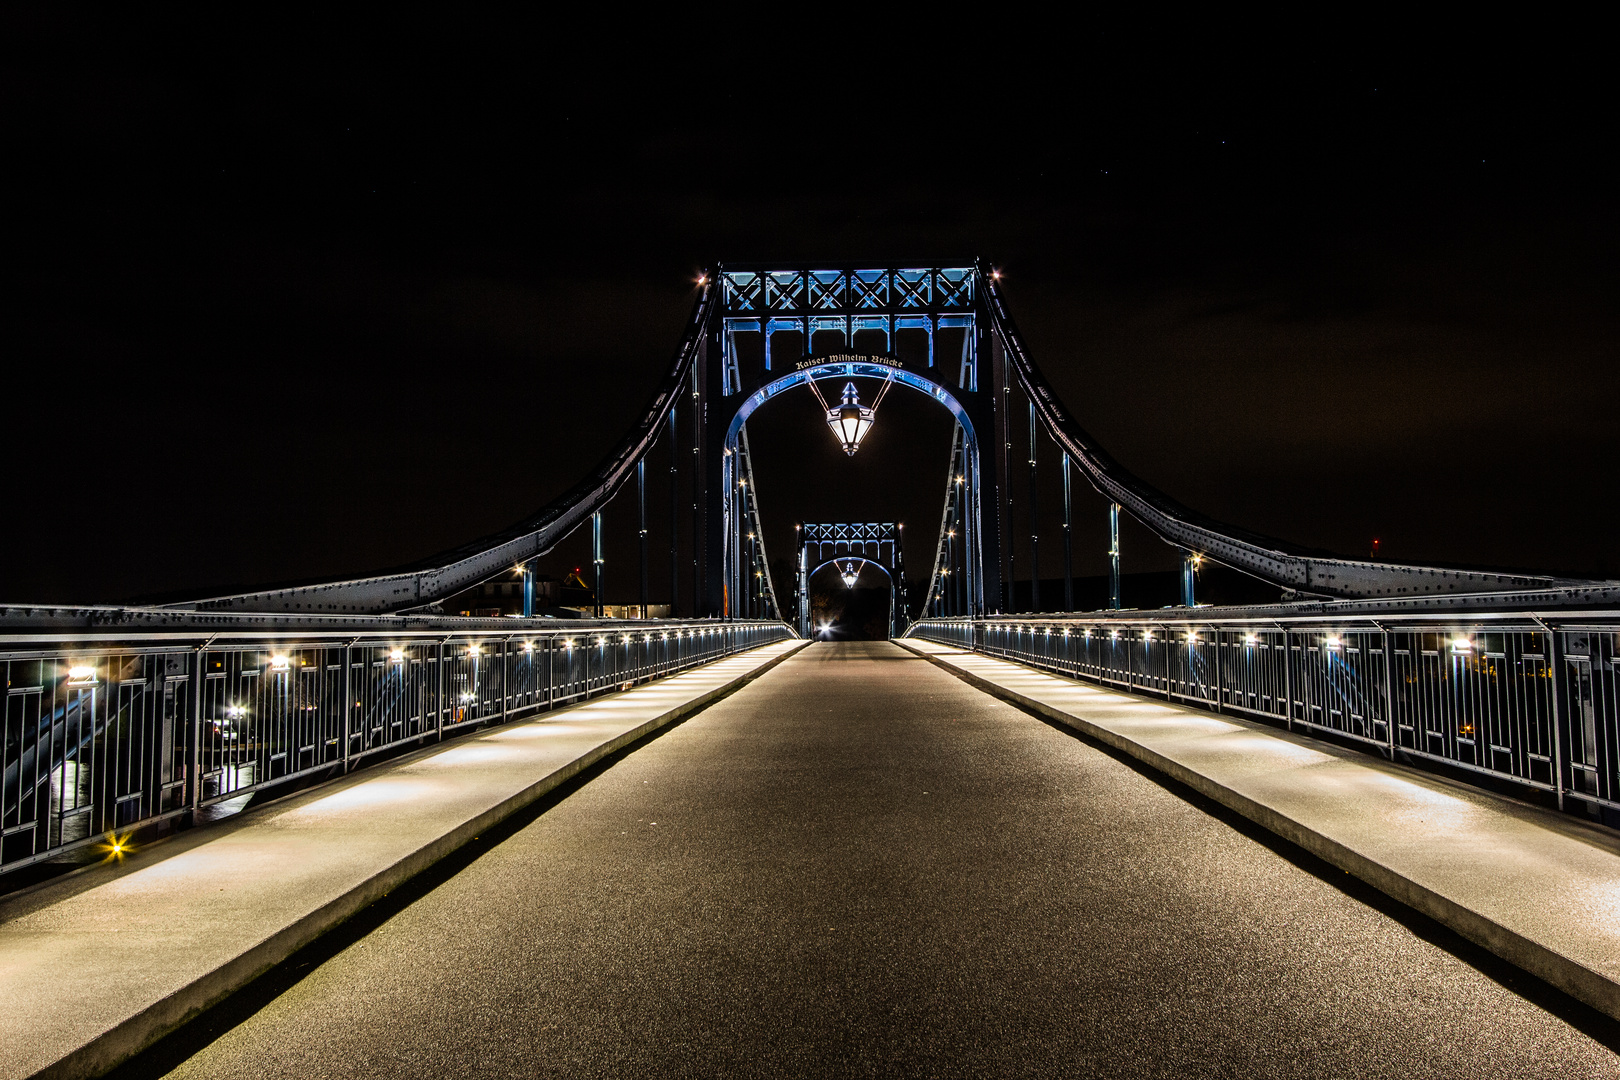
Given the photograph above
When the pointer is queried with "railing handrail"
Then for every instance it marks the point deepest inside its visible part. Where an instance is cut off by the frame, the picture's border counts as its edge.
(119, 719)
(1522, 696)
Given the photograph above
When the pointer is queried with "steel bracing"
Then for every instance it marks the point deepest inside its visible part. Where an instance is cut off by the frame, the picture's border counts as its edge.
(853, 543)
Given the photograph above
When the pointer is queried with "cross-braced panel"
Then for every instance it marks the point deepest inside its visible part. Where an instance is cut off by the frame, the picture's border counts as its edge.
(784, 290)
(826, 289)
(742, 291)
(869, 289)
(955, 288)
(913, 288)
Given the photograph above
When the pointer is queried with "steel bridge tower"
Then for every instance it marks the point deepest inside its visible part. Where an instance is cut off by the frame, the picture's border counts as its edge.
(758, 331)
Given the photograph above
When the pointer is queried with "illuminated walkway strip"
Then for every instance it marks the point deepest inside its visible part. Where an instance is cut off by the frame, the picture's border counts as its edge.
(1539, 889)
(96, 966)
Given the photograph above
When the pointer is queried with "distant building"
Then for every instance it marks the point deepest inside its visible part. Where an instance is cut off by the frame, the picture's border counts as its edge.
(634, 611)
(504, 596)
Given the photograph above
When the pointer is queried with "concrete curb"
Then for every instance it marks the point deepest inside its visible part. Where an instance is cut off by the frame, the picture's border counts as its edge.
(1569, 975)
(140, 1031)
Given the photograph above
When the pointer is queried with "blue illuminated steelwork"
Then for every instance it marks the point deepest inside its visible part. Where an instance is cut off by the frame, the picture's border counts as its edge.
(751, 322)
(842, 544)
(847, 366)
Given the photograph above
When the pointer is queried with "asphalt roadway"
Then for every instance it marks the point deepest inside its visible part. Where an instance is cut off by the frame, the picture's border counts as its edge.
(860, 866)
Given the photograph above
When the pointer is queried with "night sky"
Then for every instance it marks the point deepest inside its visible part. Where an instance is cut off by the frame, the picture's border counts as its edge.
(286, 301)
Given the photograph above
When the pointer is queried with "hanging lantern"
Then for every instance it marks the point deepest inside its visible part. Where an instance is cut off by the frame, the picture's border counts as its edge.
(850, 420)
(850, 573)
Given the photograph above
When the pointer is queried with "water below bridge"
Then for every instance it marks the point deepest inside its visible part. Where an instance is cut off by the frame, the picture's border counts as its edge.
(858, 865)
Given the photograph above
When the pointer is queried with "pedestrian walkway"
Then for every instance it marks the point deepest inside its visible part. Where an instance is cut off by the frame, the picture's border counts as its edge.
(1538, 888)
(95, 966)
(860, 866)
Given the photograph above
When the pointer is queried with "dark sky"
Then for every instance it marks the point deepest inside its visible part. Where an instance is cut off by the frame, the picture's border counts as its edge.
(284, 300)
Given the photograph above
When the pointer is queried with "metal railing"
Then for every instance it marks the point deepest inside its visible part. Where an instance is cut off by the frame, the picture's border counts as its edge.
(1528, 699)
(104, 735)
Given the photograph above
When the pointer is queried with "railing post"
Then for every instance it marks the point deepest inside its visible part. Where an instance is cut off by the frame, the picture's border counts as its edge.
(438, 697)
(506, 677)
(551, 672)
(1389, 688)
(1169, 681)
(1555, 666)
(346, 715)
(196, 729)
(1288, 679)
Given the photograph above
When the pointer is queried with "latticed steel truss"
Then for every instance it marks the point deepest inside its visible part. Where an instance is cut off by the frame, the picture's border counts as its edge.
(874, 542)
(846, 302)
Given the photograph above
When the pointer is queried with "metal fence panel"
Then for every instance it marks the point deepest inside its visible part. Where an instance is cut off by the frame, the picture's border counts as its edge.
(1513, 696)
(101, 739)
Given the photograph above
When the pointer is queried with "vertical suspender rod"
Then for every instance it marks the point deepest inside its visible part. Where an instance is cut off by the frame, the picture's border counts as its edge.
(1068, 539)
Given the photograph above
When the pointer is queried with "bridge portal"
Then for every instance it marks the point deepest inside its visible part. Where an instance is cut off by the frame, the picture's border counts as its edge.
(852, 546)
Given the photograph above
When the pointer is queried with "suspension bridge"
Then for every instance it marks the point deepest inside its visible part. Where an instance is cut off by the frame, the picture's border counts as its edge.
(1246, 838)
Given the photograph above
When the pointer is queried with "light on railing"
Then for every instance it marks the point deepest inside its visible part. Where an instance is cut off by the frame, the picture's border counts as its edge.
(601, 641)
(1147, 635)
(1331, 642)
(528, 646)
(472, 650)
(1114, 634)
(1461, 644)
(396, 655)
(81, 674)
(279, 663)
(235, 712)
(1251, 639)
(568, 643)
(1192, 637)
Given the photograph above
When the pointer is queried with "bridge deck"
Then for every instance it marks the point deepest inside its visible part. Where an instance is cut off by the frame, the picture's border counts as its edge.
(860, 865)
(93, 964)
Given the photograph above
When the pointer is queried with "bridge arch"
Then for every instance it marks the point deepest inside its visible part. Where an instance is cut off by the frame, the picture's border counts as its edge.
(894, 591)
(841, 366)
